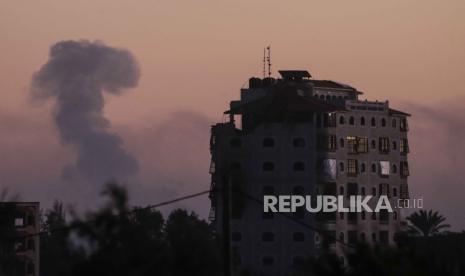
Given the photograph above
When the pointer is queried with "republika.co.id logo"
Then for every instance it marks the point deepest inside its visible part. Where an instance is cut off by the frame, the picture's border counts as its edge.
(329, 203)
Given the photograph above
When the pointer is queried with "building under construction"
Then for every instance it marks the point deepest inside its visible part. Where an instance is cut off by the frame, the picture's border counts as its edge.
(299, 135)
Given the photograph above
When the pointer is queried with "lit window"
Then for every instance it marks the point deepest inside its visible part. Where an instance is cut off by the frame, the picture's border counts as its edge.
(404, 168)
(362, 144)
(404, 149)
(383, 144)
(385, 167)
(352, 144)
(352, 167)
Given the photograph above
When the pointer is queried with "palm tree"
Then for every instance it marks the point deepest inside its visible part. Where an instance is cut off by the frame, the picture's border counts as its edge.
(426, 223)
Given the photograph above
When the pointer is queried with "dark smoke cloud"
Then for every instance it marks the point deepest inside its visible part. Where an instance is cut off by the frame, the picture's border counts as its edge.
(75, 76)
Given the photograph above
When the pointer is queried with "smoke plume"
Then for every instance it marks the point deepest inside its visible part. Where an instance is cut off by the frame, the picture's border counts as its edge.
(75, 77)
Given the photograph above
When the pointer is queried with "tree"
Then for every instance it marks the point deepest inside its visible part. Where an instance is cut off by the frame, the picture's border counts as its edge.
(426, 223)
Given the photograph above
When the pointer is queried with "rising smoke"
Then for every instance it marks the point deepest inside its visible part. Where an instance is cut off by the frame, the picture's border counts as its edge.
(75, 76)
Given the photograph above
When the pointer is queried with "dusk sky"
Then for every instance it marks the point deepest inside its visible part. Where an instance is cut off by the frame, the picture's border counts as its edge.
(194, 56)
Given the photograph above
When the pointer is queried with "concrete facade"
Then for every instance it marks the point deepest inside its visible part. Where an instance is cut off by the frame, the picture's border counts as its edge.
(287, 132)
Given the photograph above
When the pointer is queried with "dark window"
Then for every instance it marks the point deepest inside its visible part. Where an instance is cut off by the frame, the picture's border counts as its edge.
(384, 237)
(373, 122)
(373, 168)
(362, 121)
(394, 215)
(383, 216)
(341, 166)
(394, 192)
(268, 142)
(373, 237)
(298, 236)
(235, 143)
(298, 142)
(352, 189)
(341, 215)
(362, 215)
(352, 217)
(373, 216)
(394, 145)
(384, 189)
(383, 144)
(394, 168)
(394, 123)
(268, 166)
(341, 142)
(362, 191)
(236, 236)
(363, 168)
(373, 144)
(373, 191)
(362, 237)
(404, 168)
(299, 166)
(351, 120)
(383, 122)
(267, 237)
(341, 237)
(268, 261)
(341, 120)
(341, 190)
(352, 237)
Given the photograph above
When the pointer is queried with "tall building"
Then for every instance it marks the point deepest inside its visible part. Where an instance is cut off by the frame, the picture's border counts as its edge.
(298, 135)
(20, 242)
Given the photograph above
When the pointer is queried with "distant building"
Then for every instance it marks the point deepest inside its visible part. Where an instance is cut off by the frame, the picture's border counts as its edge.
(298, 135)
(23, 223)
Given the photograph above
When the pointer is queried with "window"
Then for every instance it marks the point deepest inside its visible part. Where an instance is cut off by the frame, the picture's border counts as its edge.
(235, 143)
(298, 142)
(403, 192)
(329, 168)
(352, 167)
(384, 189)
(403, 124)
(341, 166)
(385, 168)
(341, 190)
(373, 144)
(341, 120)
(268, 166)
(384, 237)
(341, 215)
(373, 191)
(351, 121)
(383, 144)
(404, 168)
(267, 237)
(327, 142)
(362, 237)
(363, 167)
(383, 122)
(341, 142)
(373, 216)
(299, 166)
(236, 236)
(362, 121)
(362, 144)
(268, 142)
(362, 191)
(352, 189)
(373, 122)
(19, 222)
(394, 145)
(394, 192)
(373, 237)
(341, 236)
(268, 261)
(394, 215)
(362, 215)
(394, 168)
(404, 149)
(352, 237)
(394, 123)
(298, 236)
(373, 168)
(352, 144)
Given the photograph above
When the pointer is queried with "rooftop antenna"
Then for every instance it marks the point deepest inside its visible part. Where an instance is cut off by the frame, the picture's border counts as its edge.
(264, 62)
(268, 58)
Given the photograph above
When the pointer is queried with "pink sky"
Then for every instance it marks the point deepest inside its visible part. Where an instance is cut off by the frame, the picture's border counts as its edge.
(194, 57)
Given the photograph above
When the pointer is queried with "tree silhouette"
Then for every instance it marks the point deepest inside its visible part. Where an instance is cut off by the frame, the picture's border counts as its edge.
(426, 223)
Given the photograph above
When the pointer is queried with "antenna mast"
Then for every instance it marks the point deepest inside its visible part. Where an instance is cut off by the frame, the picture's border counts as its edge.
(269, 60)
(264, 62)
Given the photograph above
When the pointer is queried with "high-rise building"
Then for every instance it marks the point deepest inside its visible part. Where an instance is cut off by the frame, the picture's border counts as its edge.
(19, 241)
(300, 136)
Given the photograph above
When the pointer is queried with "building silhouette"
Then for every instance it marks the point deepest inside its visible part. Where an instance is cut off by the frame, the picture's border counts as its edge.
(298, 135)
